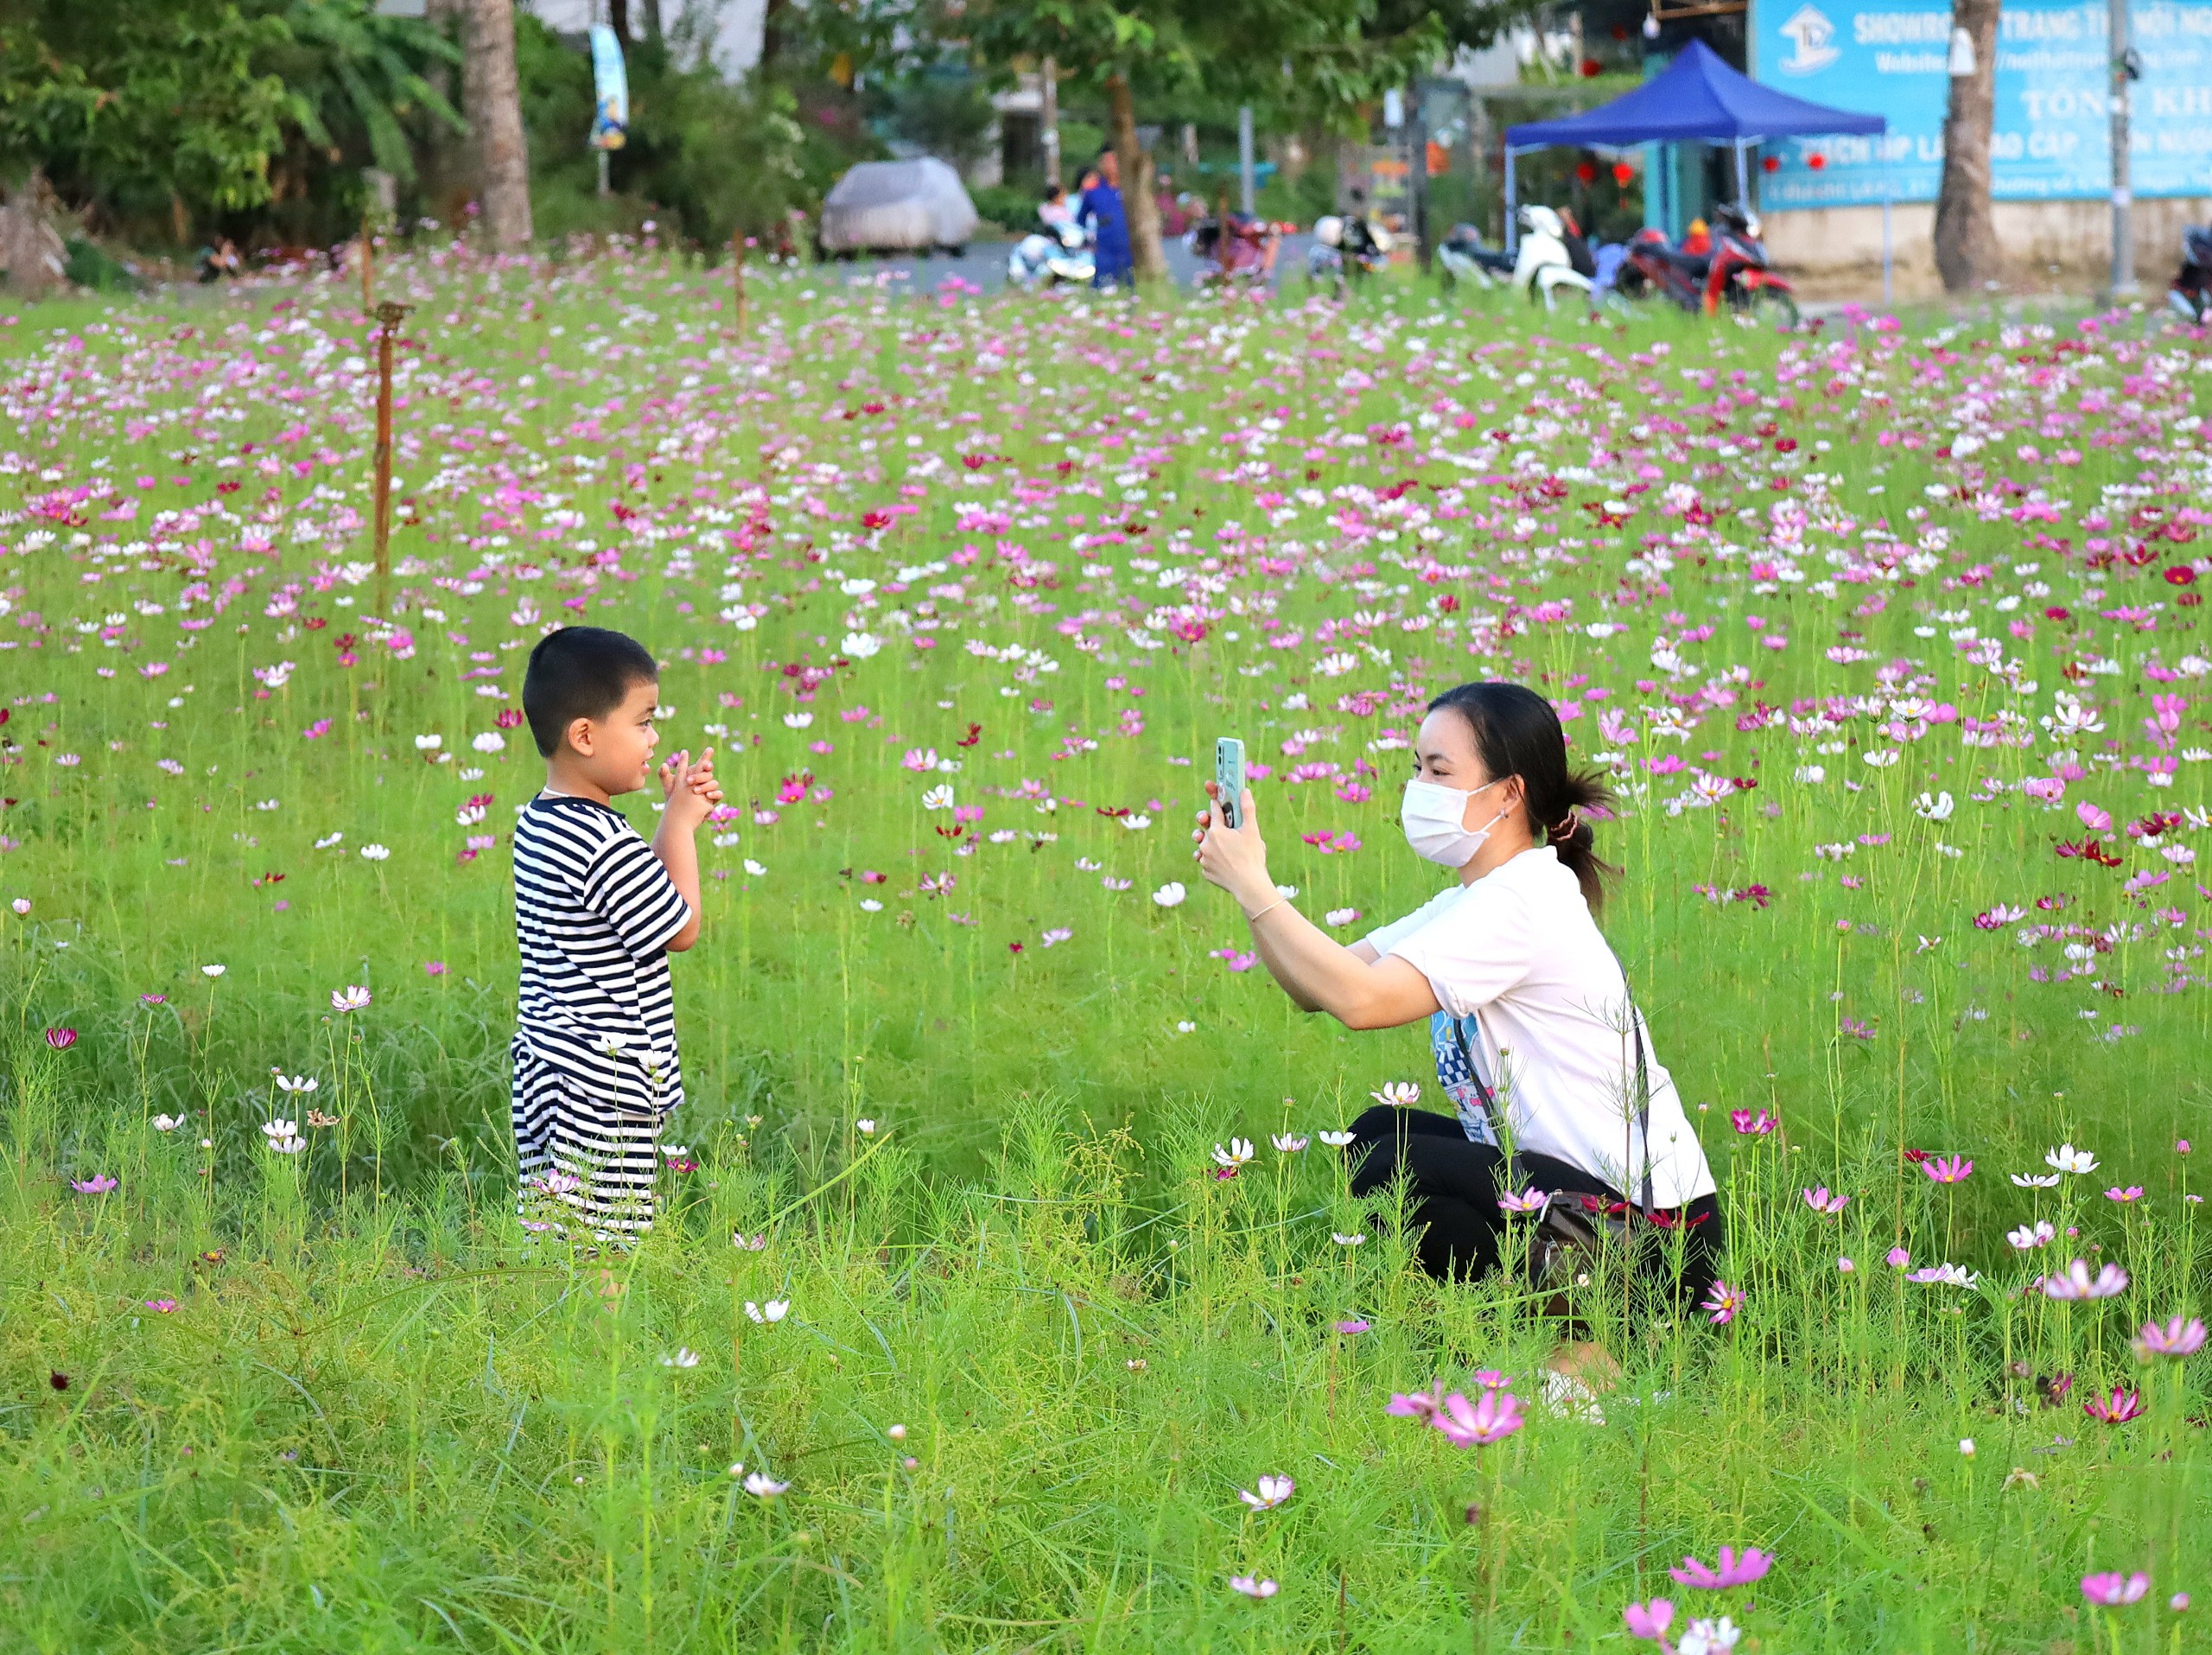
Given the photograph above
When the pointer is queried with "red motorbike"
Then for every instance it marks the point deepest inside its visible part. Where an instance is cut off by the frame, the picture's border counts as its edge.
(1734, 273)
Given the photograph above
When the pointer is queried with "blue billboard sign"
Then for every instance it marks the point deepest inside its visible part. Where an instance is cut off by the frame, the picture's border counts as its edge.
(2052, 138)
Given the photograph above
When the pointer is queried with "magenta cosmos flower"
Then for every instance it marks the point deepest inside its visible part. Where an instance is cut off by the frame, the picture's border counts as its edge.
(1723, 1302)
(2175, 1338)
(2117, 1409)
(1649, 1620)
(98, 1184)
(1737, 1568)
(2113, 1588)
(1947, 1169)
(1467, 1425)
(61, 1039)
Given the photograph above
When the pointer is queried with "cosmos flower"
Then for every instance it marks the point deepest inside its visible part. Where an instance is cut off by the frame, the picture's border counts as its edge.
(2035, 1181)
(2067, 1158)
(1723, 1303)
(1526, 1200)
(294, 1083)
(1734, 1569)
(1649, 1621)
(1398, 1094)
(2109, 1282)
(2113, 1589)
(767, 1315)
(1287, 1143)
(2176, 1338)
(1466, 1424)
(1171, 895)
(1238, 1152)
(60, 1038)
(1821, 1202)
(1334, 1140)
(761, 1485)
(1273, 1492)
(98, 1184)
(1952, 1169)
(1342, 1239)
(683, 1357)
(2028, 1237)
(2117, 1409)
(1251, 1586)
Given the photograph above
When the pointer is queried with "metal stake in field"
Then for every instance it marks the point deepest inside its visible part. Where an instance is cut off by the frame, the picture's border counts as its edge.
(368, 263)
(388, 316)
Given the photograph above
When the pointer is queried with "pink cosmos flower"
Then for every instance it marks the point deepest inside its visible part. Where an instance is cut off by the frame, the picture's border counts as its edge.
(1896, 1258)
(1953, 1169)
(1493, 1419)
(1526, 1200)
(1723, 1302)
(1735, 1570)
(98, 1184)
(2132, 1192)
(1491, 1379)
(1649, 1620)
(2116, 1409)
(163, 1306)
(61, 1039)
(1757, 1125)
(1252, 1586)
(1821, 1202)
(2077, 1283)
(2176, 1338)
(2115, 1589)
(1354, 1325)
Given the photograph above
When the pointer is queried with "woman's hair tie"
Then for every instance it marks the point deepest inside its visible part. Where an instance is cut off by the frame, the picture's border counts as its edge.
(1567, 824)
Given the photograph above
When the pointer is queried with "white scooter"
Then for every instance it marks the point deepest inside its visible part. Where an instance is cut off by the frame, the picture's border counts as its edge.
(1544, 268)
(1056, 255)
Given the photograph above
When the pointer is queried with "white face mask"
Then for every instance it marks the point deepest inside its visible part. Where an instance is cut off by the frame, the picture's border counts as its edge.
(1434, 817)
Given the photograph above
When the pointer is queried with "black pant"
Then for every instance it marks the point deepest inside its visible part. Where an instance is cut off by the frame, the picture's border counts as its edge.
(1453, 1186)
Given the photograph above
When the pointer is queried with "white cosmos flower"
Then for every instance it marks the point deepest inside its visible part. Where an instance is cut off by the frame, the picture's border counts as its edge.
(1343, 1240)
(1273, 1491)
(1341, 917)
(860, 645)
(1252, 1587)
(1238, 1152)
(1171, 895)
(1935, 807)
(1334, 1140)
(353, 998)
(303, 1083)
(766, 1314)
(755, 868)
(1809, 774)
(763, 1487)
(865, 1128)
(212, 970)
(325, 843)
(489, 741)
(2027, 1238)
(2067, 1158)
(2035, 1180)
(1399, 1094)
(1287, 1143)
(376, 852)
(939, 798)
(429, 743)
(168, 1122)
(683, 1357)
(1136, 824)
(798, 721)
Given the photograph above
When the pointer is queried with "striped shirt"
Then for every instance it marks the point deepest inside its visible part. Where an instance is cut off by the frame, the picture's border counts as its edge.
(595, 910)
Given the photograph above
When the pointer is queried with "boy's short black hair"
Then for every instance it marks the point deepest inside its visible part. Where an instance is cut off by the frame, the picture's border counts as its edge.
(581, 672)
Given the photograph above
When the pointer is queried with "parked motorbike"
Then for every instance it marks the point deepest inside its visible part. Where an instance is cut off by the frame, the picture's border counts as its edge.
(1237, 247)
(1734, 273)
(1054, 254)
(1548, 264)
(1465, 259)
(1351, 245)
(2190, 293)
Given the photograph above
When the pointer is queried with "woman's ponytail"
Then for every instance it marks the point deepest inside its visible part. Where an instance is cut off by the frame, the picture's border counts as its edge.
(1518, 734)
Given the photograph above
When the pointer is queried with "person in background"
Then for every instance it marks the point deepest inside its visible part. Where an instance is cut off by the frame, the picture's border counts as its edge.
(1100, 212)
(1698, 238)
(1054, 209)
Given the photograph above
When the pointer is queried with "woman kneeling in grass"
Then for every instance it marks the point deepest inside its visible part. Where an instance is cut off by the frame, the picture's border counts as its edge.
(1538, 1043)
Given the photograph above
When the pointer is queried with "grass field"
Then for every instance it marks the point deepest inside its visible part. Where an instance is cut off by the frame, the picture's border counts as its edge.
(1888, 637)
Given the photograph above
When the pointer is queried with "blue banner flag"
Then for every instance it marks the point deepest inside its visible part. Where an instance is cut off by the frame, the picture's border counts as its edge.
(610, 120)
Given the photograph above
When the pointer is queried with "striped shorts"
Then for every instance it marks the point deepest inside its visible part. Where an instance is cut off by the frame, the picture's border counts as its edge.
(582, 1150)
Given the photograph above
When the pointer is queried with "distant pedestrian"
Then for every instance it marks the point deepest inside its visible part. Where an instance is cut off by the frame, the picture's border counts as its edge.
(1100, 212)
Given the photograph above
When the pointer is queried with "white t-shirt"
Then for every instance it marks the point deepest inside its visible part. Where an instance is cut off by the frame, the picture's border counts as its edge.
(1518, 951)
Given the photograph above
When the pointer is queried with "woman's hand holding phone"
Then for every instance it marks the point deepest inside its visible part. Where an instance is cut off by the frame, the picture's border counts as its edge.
(1234, 858)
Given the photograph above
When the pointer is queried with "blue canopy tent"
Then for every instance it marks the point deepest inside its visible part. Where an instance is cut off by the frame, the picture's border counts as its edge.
(1697, 98)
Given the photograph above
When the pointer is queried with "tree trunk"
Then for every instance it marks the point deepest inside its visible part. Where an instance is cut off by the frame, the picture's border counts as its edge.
(618, 18)
(652, 21)
(1139, 204)
(494, 111)
(1966, 253)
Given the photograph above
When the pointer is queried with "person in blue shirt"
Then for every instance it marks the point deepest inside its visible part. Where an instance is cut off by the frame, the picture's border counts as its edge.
(1099, 210)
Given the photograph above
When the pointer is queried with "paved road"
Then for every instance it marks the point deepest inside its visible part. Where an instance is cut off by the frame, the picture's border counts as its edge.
(984, 263)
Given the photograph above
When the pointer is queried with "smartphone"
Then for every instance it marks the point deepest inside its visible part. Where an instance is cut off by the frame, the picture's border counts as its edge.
(1229, 771)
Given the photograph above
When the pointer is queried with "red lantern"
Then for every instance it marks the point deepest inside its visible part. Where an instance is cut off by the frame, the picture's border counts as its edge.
(1624, 175)
(1586, 172)
(1816, 162)
(1772, 163)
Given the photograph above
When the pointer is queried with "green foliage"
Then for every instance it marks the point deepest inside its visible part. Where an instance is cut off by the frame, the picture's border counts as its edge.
(154, 114)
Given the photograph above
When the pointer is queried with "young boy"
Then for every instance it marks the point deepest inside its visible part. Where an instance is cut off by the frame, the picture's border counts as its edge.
(597, 913)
